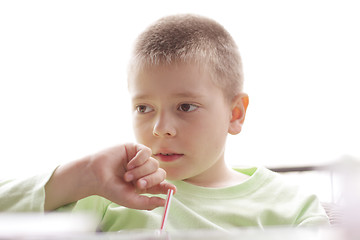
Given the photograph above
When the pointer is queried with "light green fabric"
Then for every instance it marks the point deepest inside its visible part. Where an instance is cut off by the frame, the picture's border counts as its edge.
(264, 199)
(24, 194)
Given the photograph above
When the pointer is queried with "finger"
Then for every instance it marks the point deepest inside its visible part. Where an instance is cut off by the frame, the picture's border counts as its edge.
(152, 179)
(142, 155)
(151, 166)
(161, 188)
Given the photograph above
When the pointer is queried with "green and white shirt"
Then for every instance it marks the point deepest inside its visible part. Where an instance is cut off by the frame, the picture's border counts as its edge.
(264, 199)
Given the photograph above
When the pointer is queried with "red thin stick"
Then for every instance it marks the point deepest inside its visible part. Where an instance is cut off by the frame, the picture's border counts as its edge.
(167, 206)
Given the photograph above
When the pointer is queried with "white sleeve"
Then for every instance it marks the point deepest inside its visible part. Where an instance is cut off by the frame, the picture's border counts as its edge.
(24, 195)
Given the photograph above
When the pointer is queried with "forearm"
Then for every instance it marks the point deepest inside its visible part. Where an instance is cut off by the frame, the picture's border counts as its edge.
(69, 183)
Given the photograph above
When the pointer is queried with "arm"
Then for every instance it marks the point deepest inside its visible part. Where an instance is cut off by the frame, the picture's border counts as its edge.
(119, 174)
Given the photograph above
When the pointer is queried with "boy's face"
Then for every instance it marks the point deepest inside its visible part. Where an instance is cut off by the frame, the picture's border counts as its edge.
(184, 118)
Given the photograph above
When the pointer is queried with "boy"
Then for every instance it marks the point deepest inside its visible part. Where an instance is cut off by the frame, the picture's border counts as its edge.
(185, 81)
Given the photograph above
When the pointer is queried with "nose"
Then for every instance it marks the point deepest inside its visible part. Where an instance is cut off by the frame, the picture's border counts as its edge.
(164, 126)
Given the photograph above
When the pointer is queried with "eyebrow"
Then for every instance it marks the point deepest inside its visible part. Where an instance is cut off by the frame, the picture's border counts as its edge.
(177, 95)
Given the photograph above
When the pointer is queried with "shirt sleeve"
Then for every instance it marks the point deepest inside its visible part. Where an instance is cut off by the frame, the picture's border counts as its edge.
(312, 213)
(24, 195)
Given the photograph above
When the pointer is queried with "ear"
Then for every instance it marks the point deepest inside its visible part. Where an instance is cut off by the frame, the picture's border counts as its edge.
(238, 111)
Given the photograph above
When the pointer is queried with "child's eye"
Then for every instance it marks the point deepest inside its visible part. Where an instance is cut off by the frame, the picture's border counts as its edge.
(144, 109)
(187, 107)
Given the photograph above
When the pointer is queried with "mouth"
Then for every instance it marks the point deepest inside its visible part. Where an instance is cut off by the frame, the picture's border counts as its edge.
(168, 157)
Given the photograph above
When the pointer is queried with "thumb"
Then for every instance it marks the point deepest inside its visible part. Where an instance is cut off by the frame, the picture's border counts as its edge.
(142, 202)
(161, 188)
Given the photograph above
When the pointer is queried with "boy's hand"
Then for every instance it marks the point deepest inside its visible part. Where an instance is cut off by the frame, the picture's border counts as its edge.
(120, 174)
(124, 172)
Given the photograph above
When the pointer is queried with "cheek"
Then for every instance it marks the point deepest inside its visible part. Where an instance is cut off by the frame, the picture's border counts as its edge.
(212, 132)
(141, 130)
(216, 124)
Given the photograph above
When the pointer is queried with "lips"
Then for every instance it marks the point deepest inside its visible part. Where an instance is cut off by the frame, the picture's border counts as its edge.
(168, 157)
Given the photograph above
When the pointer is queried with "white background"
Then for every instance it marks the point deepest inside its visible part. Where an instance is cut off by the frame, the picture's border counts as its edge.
(63, 77)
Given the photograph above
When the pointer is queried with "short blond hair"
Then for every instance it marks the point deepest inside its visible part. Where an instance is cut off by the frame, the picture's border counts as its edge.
(191, 39)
